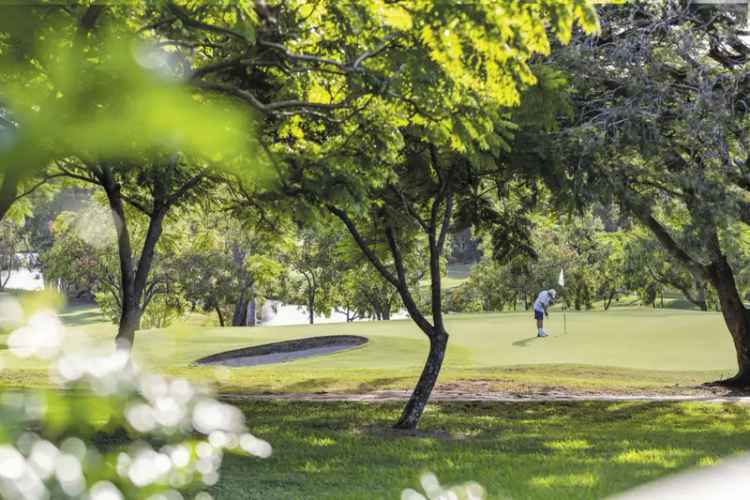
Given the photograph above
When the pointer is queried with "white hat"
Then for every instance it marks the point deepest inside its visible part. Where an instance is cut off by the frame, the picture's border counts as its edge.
(552, 292)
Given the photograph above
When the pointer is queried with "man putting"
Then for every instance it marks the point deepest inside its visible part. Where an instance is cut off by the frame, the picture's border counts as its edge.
(541, 309)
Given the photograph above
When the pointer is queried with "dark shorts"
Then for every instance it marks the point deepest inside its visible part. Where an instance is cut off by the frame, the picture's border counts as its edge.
(538, 314)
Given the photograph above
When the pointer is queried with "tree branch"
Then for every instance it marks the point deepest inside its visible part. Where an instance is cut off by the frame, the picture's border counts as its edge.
(363, 245)
(446, 221)
(187, 186)
(183, 16)
(303, 57)
(38, 185)
(644, 214)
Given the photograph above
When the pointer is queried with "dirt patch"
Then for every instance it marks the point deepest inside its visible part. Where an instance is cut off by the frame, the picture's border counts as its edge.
(478, 390)
(279, 352)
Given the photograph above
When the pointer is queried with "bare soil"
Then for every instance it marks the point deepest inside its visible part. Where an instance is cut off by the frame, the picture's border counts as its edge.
(478, 390)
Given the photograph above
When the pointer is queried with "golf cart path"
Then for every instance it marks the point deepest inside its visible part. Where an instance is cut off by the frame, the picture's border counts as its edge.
(698, 394)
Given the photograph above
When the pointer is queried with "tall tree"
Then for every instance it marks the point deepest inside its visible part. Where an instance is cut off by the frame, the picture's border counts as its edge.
(382, 111)
(661, 126)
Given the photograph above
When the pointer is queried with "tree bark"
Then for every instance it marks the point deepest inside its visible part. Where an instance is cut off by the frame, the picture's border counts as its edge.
(700, 299)
(8, 191)
(221, 316)
(736, 317)
(250, 311)
(311, 306)
(240, 310)
(608, 303)
(418, 400)
(129, 312)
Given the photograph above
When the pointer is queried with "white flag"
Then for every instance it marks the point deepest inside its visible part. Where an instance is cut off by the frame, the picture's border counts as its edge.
(561, 279)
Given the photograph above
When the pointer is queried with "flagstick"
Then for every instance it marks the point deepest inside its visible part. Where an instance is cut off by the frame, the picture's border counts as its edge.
(561, 282)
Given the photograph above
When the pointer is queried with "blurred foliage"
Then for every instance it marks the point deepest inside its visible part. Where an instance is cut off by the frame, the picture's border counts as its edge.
(108, 96)
(435, 491)
(105, 429)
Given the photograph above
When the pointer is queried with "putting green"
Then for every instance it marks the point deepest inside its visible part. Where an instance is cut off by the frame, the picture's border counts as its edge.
(639, 339)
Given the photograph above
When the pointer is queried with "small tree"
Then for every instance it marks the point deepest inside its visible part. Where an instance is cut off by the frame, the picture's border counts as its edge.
(10, 244)
(316, 267)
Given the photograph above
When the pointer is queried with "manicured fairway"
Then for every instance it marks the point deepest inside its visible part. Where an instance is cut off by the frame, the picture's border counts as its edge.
(620, 349)
(520, 451)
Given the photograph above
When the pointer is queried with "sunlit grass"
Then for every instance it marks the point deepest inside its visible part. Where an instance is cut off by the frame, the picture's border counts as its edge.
(520, 450)
(622, 350)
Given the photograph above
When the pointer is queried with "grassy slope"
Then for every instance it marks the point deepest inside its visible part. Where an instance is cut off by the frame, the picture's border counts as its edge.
(520, 451)
(619, 349)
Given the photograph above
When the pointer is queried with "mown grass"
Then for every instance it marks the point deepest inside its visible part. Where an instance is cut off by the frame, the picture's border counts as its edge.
(626, 349)
(518, 450)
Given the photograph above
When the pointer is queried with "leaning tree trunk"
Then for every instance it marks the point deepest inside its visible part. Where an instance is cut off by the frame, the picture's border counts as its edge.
(437, 232)
(421, 394)
(608, 303)
(435, 332)
(220, 315)
(736, 317)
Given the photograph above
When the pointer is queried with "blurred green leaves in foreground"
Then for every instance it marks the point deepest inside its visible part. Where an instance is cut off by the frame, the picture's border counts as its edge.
(107, 431)
(106, 95)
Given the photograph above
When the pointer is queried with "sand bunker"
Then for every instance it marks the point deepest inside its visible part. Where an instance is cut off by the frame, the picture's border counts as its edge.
(278, 352)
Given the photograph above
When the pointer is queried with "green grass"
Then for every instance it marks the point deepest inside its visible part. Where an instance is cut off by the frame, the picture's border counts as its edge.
(624, 349)
(519, 450)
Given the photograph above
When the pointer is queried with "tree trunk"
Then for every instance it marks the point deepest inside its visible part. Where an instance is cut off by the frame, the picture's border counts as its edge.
(736, 317)
(130, 322)
(221, 316)
(132, 279)
(721, 277)
(129, 312)
(240, 310)
(250, 311)
(608, 303)
(700, 296)
(311, 307)
(436, 232)
(8, 191)
(418, 400)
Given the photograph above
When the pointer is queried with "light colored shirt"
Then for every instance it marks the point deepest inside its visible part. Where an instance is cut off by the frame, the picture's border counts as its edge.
(543, 300)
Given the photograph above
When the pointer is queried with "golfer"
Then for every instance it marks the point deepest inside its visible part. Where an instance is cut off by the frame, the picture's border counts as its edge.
(541, 309)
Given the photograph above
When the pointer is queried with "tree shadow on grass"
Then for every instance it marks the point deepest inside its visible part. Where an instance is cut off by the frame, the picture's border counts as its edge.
(82, 318)
(572, 450)
(379, 383)
(319, 384)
